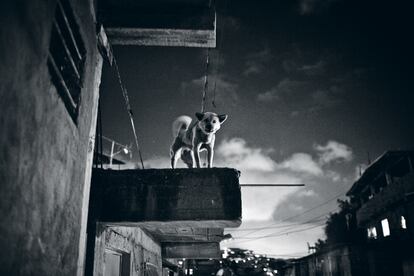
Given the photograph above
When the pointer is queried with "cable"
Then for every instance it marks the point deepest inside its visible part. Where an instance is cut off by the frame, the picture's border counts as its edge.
(271, 227)
(300, 214)
(284, 233)
(128, 106)
(203, 100)
(213, 102)
(312, 220)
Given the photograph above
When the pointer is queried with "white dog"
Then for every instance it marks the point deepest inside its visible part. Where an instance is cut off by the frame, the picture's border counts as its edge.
(191, 139)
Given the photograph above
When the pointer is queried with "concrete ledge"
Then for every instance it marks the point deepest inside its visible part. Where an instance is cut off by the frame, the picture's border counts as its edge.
(191, 24)
(162, 37)
(201, 198)
(191, 250)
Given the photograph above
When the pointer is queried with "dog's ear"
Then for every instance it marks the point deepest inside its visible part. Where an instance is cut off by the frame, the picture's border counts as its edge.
(199, 116)
(222, 118)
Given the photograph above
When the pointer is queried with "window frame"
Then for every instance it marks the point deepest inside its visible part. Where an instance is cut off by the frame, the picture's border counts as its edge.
(67, 57)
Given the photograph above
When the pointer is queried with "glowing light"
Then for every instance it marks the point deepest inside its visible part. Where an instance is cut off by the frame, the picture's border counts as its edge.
(403, 223)
(385, 227)
(372, 232)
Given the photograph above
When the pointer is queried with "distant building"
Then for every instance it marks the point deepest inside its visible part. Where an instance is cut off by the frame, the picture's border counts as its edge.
(384, 199)
(341, 259)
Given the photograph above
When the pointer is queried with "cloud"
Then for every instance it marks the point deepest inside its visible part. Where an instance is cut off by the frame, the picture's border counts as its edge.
(236, 152)
(256, 62)
(333, 151)
(226, 90)
(302, 162)
(297, 96)
(285, 91)
(307, 7)
(315, 69)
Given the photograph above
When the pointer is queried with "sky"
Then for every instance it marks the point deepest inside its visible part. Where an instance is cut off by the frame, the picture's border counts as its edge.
(314, 90)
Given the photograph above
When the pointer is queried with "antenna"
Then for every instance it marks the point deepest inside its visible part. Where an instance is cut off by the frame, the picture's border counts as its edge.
(369, 158)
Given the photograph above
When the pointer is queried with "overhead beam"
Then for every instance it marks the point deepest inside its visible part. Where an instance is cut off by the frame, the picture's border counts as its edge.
(191, 250)
(198, 198)
(186, 234)
(185, 24)
(162, 37)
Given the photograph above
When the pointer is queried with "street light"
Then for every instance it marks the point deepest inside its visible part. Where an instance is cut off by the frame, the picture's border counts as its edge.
(124, 149)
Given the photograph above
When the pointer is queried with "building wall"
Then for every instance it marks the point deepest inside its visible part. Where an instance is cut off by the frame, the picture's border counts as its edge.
(339, 261)
(391, 197)
(131, 241)
(45, 158)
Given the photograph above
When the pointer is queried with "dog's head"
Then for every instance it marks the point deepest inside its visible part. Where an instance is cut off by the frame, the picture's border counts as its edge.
(210, 122)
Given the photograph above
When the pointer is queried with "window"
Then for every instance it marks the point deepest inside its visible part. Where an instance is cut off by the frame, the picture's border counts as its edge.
(116, 263)
(66, 58)
(385, 227)
(150, 269)
(403, 223)
(372, 232)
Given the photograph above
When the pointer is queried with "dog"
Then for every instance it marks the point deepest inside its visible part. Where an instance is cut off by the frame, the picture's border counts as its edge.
(191, 139)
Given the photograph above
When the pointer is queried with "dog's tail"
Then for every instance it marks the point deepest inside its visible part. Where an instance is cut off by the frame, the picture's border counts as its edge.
(182, 123)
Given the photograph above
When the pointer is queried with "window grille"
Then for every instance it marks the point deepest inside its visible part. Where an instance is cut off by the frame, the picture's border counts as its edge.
(66, 58)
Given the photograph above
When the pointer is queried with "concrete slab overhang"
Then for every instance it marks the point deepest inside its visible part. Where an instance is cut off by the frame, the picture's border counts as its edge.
(159, 22)
(191, 250)
(167, 199)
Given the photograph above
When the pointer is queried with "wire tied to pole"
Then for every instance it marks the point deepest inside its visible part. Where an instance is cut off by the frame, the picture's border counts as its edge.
(129, 109)
(203, 101)
(219, 50)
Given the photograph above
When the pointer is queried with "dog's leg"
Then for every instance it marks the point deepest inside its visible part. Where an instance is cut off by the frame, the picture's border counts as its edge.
(174, 157)
(196, 153)
(187, 158)
(210, 155)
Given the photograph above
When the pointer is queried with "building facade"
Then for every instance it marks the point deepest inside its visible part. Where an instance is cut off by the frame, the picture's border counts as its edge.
(51, 55)
(48, 112)
(383, 196)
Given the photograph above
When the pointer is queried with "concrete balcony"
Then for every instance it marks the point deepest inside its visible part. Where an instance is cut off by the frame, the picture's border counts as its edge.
(183, 210)
(194, 198)
(400, 191)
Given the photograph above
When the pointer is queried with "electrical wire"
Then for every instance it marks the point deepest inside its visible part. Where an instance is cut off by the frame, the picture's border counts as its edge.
(271, 227)
(282, 234)
(297, 215)
(203, 100)
(129, 109)
(293, 226)
(219, 48)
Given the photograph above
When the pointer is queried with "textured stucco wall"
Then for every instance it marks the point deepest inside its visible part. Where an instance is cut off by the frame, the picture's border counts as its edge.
(44, 156)
(131, 240)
